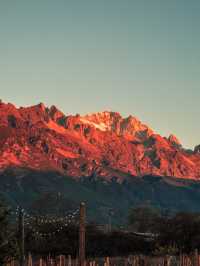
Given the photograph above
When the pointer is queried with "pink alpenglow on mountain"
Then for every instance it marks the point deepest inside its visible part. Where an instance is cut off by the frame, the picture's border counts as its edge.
(101, 144)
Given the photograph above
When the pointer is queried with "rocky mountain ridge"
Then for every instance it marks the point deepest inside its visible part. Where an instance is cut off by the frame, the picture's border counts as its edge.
(101, 144)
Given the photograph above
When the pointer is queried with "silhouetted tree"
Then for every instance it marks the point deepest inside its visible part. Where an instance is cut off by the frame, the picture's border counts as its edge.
(181, 230)
(143, 219)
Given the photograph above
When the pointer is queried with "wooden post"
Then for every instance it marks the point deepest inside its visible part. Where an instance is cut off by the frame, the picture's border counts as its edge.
(40, 262)
(69, 261)
(82, 235)
(30, 261)
(64, 260)
(196, 261)
(60, 260)
(107, 261)
(21, 237)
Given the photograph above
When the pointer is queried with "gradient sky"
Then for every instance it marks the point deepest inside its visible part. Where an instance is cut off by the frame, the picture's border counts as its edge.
(133, 56)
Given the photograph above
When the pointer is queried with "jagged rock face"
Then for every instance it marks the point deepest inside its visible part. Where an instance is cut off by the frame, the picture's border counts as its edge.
(174, 141)
(55, 114)
(102, 144)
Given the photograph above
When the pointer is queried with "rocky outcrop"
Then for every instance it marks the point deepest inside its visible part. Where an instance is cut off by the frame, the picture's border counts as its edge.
(174, 141)
(55, 114)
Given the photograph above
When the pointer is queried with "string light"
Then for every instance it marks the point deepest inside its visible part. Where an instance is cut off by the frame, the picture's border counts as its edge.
(66, 220)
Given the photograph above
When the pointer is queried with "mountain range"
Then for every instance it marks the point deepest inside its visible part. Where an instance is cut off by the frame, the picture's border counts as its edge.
(99, 147)
(100, 144)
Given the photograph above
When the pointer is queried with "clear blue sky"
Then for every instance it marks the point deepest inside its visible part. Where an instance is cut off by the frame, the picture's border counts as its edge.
(133, 56)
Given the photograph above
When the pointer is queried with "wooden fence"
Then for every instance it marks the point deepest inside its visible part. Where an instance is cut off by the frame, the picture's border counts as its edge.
(139, 260)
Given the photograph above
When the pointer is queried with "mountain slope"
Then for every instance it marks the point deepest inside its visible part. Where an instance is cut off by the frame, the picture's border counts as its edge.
(98, 145)
(50, 192)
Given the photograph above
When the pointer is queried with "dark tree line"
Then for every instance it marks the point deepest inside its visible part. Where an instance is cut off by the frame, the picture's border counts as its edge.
(98, 243)
(8, 237)
(177, 232)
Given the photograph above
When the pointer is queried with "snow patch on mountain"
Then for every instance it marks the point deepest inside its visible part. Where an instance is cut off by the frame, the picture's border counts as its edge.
(101, 126)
